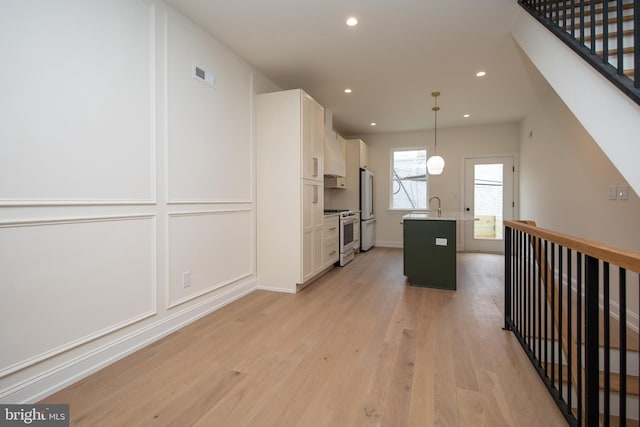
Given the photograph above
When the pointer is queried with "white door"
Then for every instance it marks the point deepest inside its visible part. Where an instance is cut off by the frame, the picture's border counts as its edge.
(489, 196)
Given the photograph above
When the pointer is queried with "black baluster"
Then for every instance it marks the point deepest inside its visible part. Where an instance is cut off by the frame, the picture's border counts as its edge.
(579, 332)
(623, 346)
(560, 352)
(591, 310)
(540, 299)
(582, 22)
(573, 19)
(607, 344)
(636, 41)
(546, 307)
(507, 276)
(620, 37)
(569, 327)
(552, 283)
(592, 20)
(605, 32)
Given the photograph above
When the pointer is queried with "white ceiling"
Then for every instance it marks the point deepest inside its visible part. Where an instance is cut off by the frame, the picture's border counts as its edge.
(401, 51)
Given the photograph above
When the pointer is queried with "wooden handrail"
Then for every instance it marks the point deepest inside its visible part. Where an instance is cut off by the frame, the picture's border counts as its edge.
(616, 256)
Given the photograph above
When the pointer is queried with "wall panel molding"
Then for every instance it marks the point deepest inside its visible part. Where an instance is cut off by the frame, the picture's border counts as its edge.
(208, 130)
(68, 372)
(50, 281)
(66, 131)
(215, 246)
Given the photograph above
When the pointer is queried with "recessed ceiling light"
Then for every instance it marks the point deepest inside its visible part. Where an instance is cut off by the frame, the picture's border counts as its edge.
(481, 74)
(352, 21)
(373, 123)
(466, 116)
(347, 90)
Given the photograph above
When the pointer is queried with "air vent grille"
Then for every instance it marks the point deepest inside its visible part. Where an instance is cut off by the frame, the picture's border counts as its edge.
(206, 77)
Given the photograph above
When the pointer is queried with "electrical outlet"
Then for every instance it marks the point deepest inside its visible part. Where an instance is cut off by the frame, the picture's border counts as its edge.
(186, 279)
(623, 192)
(613, 192)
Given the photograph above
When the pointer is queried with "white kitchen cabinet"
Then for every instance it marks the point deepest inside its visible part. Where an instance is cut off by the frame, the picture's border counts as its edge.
(290, 192)
(335, 151)
(357, 157)
(364, 154)
(312, 229)
(331, 248)
(312, 139)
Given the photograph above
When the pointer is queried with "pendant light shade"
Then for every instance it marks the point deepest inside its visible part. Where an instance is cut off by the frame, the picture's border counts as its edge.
(435, 163)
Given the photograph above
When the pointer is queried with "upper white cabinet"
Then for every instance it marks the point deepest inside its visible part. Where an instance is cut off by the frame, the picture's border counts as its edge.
(357, 155)
(290, 192)
(364, 154)
(312, 139)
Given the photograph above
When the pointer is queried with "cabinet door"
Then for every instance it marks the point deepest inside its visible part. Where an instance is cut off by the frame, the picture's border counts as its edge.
(312, 139)
(331, 244)
(309, 195)
(312, 227)
(318, 228)
(364, 155)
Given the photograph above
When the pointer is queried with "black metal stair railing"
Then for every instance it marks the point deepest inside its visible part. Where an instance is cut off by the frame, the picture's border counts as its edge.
(586, 24)
(559, 294)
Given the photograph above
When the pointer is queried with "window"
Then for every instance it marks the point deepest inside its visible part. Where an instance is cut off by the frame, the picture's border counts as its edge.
(409, 179)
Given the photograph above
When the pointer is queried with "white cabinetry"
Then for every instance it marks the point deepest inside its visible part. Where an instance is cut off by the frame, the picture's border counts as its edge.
(312, 228)
(357, 157)
(331, 252)
(364, 153)
(335, 151)
(289, 140)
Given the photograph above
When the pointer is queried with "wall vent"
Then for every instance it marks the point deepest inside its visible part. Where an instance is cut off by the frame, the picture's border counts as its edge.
(206, 77)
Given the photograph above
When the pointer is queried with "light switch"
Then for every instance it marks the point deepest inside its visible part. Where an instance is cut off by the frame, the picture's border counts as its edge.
(613, 192)
(441, 241)
(623, 192)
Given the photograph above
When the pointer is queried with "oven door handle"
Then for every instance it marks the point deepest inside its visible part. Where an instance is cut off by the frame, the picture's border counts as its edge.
(349, 221)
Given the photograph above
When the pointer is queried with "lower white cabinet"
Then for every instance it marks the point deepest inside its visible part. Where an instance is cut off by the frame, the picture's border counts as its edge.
(331, 247)
(312, 226)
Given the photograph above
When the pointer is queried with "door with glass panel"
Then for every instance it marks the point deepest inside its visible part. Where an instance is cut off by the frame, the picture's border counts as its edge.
(489, 197)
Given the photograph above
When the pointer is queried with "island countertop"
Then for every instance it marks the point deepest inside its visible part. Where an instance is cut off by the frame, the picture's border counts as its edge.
(433, 216)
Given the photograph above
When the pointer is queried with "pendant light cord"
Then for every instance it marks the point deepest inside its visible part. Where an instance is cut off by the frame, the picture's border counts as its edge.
(435, 130)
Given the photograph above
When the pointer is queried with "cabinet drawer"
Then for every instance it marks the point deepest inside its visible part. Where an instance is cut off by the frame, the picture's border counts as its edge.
(331, 253)
(330, 227)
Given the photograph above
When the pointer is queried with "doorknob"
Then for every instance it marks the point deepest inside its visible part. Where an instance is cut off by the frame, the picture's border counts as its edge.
(467, 209)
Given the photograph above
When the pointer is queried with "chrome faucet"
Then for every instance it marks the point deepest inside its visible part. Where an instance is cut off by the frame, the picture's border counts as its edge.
(438, 199)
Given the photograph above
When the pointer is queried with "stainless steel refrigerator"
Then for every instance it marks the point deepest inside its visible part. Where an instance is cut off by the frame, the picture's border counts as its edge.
(367, 216)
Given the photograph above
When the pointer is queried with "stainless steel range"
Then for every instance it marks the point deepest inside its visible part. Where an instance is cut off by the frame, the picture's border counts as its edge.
(347, 223)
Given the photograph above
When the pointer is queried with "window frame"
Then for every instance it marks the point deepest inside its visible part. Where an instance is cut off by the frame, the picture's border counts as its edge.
(392, 152)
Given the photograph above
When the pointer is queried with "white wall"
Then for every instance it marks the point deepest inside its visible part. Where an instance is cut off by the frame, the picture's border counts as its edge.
(564, 180)
(564, 183)
(453, 145)
(118, 173)
(610, 116)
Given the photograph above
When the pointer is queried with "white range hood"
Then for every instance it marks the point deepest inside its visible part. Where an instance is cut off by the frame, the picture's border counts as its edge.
(334, 161)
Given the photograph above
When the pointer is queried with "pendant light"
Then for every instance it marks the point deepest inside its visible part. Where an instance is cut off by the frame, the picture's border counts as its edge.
(435, 164)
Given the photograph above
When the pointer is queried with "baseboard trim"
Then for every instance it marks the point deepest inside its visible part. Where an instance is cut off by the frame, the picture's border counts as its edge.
(387, 244)
(274, 289)
(52, 380)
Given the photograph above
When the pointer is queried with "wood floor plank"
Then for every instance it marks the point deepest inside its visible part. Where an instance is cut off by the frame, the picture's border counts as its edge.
(359, 347)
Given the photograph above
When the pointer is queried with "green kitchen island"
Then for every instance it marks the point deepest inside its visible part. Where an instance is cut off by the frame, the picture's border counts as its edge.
(429, 243)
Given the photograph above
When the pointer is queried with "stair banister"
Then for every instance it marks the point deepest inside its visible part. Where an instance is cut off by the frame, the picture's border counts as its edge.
(531, 287)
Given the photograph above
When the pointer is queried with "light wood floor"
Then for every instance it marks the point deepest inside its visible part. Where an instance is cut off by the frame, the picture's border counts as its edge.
(357, 348)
